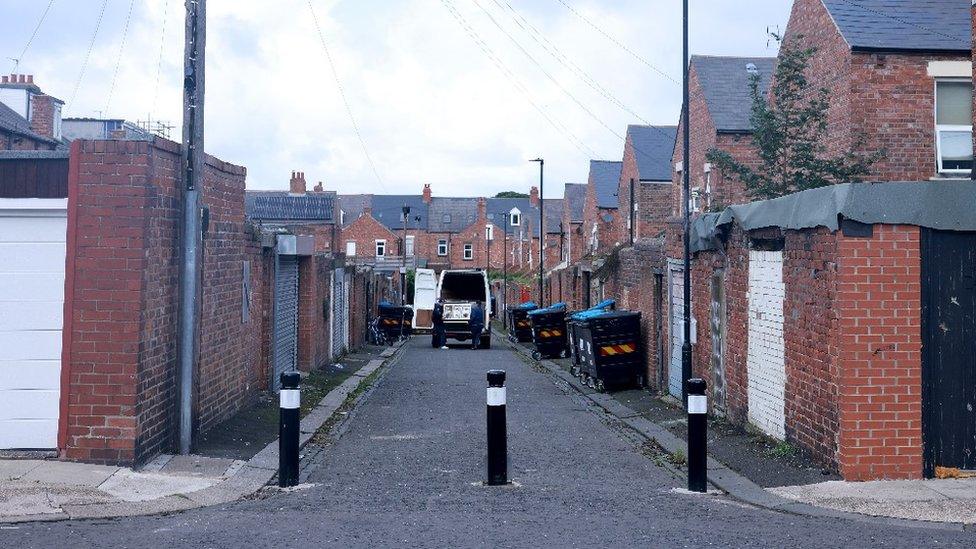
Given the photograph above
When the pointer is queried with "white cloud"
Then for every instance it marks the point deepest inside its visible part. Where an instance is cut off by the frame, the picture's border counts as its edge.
(431, 106)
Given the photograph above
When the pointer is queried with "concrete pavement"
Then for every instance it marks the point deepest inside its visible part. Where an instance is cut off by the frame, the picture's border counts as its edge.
(407, 471)
(44, 490)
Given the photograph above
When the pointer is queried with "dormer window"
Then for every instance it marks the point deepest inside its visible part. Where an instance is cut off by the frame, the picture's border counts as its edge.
(515, 217)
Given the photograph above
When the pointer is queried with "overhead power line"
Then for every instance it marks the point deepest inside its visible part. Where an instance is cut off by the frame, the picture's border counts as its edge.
(33, 35)
(342, 93)
(618, 43)
(91, 45)
(118, 59)
(521, 88)
(555, 82)
(556, 54)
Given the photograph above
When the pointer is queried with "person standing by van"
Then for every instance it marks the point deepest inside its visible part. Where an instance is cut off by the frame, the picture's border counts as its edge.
(438, 338)
(477, 323)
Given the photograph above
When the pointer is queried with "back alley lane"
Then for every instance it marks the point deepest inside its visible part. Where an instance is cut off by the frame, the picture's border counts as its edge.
(406, 472)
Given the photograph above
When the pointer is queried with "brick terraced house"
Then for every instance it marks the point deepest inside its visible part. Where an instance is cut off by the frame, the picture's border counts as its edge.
(29, 118)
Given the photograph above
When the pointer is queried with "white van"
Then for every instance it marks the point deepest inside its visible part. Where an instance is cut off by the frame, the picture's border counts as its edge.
(424, 296)
(460, 289)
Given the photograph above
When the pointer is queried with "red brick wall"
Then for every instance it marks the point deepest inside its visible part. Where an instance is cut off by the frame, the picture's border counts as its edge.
(314, 294)
(886, 101)
(42, 115)
(365, 231)
(120, 380)
(810, 329)
(879, 355)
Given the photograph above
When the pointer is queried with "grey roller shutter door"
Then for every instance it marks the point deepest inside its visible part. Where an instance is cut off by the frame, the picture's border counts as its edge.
(285, 343)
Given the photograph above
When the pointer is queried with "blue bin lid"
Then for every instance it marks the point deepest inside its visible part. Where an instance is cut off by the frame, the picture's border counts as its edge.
(528, 305)
(605, 304)
(558, 307)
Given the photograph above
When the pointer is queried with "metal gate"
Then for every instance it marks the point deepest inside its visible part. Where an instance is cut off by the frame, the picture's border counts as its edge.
(285, 345)
(948, 349)
(340, 312)
(676, 286)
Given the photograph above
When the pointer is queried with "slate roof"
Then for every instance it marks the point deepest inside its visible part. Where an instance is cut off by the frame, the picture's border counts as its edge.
(12, 122)
(498, 208)
(903, 25)
(575, 196)
(451, 215)
(605, 177)
(554, 214)
(725, 83)
(653, 149)
(352, 206)
(281, 206)
(388, 210)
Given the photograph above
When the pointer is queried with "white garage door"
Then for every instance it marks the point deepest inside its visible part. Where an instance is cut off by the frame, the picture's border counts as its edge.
(32, 262)
(765, 363)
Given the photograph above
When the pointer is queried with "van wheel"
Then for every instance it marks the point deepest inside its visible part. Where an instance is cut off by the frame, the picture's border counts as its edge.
(536, 355)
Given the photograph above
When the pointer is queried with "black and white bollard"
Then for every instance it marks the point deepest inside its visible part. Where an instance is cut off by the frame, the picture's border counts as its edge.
(288, 428)
(697, 433)
(497, 435)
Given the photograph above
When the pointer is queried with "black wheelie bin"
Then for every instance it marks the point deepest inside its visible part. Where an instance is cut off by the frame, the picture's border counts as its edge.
(610, 349)
(549, 331)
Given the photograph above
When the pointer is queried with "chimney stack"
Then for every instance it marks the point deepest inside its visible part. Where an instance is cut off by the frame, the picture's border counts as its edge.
(534, 197)
(427, 193)
(482, 208)
(297, 183)
(318, 187)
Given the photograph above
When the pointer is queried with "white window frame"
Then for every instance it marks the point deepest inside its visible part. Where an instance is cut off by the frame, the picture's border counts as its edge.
(939, 128)
(380, 244)
(410, 245)
(468, 254)
(695, 200)
(351, 244)
(515, 217)
(442, 247)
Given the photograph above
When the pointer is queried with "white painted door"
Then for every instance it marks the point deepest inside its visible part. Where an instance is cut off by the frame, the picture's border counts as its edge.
(32, 264)
(676, 306)
(765, 363)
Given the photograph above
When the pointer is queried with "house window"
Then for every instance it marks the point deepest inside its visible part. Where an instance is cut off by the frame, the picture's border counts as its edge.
(695, 200)
(380, 248)
(351, 248)
(446, 218)
(515, 217)
(468, 252)
(442, 247)
(954, 126)
(410, 239)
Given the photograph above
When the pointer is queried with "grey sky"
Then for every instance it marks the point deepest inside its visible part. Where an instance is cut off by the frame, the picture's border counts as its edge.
(433, 107)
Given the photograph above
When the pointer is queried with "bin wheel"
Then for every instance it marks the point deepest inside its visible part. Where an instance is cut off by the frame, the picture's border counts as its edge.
(536, 355)
(600, 386)
(590, 382)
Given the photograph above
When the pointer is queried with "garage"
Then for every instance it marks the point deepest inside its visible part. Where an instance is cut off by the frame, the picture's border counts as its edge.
(32, 273)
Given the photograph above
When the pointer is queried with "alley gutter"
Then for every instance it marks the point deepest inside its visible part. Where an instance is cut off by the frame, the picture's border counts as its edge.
(719, 474)
(251, 476)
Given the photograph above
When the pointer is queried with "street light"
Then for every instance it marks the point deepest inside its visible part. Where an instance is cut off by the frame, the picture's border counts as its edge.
(403, 270)
(685, 175)
(508, 218)
(542, 229)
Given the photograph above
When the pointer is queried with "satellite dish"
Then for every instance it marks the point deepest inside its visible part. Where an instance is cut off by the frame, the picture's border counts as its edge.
(751, 68)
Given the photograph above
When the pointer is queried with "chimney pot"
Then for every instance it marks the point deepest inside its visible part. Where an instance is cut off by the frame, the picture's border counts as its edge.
(21, 79)
(5, 79)
(30, 78)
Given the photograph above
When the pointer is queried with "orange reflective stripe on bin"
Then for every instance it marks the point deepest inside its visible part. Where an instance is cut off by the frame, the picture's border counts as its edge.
(612, 350)
(550, 333)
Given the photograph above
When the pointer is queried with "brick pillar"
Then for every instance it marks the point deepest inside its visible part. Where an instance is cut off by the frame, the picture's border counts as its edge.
(879, 354)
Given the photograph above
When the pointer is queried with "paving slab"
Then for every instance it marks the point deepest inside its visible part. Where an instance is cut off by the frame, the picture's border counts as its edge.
(13, 469)
(200, 466)
(70, 473)
(130, 486)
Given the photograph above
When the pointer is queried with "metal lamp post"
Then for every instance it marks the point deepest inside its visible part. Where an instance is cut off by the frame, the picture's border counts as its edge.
(686, 193)
(542, 229)
(403, 269)
(508, 218)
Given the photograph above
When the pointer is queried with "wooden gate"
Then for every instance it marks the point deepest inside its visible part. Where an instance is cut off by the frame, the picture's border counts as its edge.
(948, 349)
